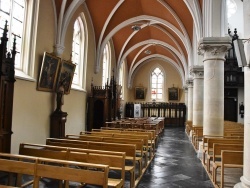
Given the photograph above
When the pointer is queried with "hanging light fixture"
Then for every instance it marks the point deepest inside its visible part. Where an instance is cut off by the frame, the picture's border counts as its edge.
(147, 52)
(136, 27)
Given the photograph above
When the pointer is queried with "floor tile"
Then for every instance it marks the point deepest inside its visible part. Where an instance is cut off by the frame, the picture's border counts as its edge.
(175, 164)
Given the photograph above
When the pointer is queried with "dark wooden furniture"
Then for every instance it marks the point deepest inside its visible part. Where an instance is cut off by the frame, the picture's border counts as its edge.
(57, 124)
(174, 113)
(103, 104)
(233, 75)
(7, 79)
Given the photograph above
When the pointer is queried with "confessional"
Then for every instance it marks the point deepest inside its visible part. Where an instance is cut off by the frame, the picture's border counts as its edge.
(7, 80)
(103, 104)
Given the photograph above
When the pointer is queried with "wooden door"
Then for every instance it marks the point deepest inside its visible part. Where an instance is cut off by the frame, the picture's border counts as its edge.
(230, 109)
(98, 119)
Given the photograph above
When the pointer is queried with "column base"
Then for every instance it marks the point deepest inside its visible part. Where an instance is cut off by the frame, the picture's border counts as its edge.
(243, 184)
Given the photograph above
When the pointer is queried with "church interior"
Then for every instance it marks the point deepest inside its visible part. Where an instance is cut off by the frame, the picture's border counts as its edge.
(124, 93)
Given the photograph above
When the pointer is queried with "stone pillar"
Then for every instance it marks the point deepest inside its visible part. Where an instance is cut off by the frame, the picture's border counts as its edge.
(185, 88)
(245, 179)
(198, 74)
(214, 49)
(190, 99)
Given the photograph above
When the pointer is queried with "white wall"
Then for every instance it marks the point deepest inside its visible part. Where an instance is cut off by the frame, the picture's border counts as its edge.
(32, 108)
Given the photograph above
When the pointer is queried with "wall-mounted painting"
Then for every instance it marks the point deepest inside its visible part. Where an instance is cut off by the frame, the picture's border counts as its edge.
(66, 74)
(173, 94)
(140, 93)
(48, 74)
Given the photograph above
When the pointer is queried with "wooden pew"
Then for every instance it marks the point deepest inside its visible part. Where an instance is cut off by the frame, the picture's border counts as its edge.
(208, 148)
(197, 135)
(121, 134)
(55, 169)
(230, 159)
(118, 134)
(11, 163)
(87, 173)
(217, 157)
(216, 153)
(150, 133)
(137, 142)
(114, 161)
(129, 149)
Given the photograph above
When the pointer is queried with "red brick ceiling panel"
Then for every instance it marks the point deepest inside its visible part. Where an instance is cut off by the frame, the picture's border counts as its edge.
(178, 41)
(127, 10)
(120, 38)
(142, 35)
(166, 52)
(183, 13)
(157, 50)
(162, 51)
(131, 56)
(99, 11)
(162, 36)
(152, 49)
(156, 9)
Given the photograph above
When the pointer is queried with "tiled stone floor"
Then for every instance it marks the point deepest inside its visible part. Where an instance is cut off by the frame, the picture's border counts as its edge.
(175, 164)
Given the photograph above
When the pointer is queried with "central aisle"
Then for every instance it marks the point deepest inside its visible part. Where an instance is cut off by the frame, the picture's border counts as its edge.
(175, 164)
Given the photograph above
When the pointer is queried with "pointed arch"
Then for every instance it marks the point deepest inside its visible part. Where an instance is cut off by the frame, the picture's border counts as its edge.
(157, 80)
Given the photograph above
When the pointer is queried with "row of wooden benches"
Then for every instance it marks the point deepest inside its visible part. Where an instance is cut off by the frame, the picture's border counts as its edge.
(219, 152)
(95, 152)
(153, 123)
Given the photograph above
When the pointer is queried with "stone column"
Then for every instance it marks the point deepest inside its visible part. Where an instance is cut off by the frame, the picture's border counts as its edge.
(185, 88)
(214, 49)
(190, 99)
(198, 75)
(245, 179)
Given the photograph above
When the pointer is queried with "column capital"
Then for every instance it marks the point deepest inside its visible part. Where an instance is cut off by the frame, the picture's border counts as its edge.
(58, 49)
(189, 83)
(214, 48)
(197, 71)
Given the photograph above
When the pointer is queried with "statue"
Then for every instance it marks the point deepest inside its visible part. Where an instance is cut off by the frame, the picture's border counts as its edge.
(60, 96)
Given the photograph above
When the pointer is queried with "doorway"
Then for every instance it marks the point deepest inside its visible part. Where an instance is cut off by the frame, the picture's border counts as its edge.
(230, 104)
(98, 111)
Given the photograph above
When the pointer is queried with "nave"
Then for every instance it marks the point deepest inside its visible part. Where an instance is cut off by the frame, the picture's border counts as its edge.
(175, 164)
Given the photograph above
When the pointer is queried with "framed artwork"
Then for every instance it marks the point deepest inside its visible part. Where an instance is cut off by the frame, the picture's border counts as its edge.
(173, 94)
(66, 74)
(140, 93)
(48, 73)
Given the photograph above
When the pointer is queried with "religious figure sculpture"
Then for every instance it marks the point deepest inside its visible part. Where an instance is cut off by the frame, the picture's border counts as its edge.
(60, 96)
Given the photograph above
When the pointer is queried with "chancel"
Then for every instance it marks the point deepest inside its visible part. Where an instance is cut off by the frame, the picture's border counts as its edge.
(130, 93)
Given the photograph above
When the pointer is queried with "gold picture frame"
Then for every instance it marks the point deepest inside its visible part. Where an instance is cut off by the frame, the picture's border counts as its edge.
(173, 94)
(140, 93)
(48, 73)
(66, 74)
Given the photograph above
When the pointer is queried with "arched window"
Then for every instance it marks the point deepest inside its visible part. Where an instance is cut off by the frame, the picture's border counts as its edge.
(78, 53)
(121, 79)
(157, 79)
(106, 64)
(76, 50)
(18, 13)
(13, 12)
